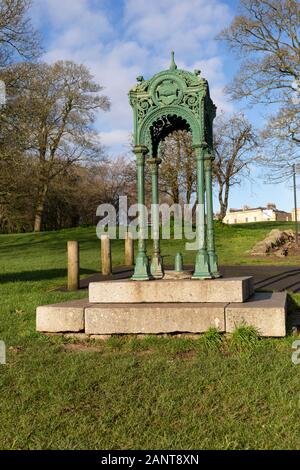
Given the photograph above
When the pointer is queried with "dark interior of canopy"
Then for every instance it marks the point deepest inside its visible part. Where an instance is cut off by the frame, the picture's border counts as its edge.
(163, 127)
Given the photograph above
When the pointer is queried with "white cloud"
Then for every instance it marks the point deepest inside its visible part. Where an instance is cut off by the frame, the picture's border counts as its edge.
(213, 71)
(141, 44)
(182, 25)
(78, 13)
(115, 137)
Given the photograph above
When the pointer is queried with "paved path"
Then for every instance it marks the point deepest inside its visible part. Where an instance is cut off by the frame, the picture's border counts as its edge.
(266, 277)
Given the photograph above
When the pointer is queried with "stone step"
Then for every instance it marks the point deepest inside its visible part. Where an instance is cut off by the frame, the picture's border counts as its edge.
(153, 318)
(67, 317)
(265, 311)
(237, 289)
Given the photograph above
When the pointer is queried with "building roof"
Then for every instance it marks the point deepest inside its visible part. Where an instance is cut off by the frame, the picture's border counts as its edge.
(248, 209)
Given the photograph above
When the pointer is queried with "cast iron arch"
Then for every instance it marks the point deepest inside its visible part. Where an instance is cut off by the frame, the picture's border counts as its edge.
(163, 127)
(181, 113)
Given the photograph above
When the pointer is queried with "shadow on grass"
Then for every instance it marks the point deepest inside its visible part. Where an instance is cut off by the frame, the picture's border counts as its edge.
(265, 225)
(292, 309)
(38, 275)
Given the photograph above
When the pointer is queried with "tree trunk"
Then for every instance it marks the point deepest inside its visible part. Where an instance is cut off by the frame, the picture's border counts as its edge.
(223, 202)
(188, 196)
(175, 194)
(40, 209)
(189, 181)
(222, 212)
(189, 186)
(226, 197)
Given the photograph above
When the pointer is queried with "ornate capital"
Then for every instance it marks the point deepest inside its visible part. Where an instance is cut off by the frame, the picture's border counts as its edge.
(202, 145)
(140, 150)
(155, 161)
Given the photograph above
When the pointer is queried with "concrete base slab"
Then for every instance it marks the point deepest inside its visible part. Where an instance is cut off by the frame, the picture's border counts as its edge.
(105, 319)
(265, 311)
(59, 318)
(225, 290)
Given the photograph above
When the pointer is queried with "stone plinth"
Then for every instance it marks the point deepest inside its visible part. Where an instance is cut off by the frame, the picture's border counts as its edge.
(61, 318)
(167, 306)
(103, 319)
(265, 311)
(227, 290)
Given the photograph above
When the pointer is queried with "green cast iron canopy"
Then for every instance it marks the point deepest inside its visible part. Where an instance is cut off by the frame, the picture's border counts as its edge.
(172, 95)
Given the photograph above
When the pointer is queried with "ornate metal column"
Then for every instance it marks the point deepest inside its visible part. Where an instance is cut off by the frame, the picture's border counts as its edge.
(141, 271)
(202, 270)
(172, 100)
(211, 248)
(156, 268)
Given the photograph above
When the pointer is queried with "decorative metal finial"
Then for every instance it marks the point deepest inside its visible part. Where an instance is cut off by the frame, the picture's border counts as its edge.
(140, 79)
(173, 66)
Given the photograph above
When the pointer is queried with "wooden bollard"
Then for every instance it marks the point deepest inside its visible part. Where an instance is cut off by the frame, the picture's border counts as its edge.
(129, 249)
(73, 265)
(106, 255)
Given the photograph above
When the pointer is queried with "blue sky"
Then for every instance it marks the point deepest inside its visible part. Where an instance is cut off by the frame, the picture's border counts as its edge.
(121, 39)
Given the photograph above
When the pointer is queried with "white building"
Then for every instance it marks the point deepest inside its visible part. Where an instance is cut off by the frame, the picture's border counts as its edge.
(257, 214)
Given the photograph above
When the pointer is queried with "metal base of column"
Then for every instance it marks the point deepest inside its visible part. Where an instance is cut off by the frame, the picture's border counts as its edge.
(141, 270)
(156, 268)
(213, 264)
(202, 270)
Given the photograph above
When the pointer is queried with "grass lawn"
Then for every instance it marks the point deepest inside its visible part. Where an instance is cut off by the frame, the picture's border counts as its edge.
(215, 392)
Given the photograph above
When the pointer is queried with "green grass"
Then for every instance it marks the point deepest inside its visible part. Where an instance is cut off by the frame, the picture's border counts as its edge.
(215, 392)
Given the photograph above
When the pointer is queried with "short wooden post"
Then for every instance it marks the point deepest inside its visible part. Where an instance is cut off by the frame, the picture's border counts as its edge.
(106, 255)
(73, 265)
(129, 249)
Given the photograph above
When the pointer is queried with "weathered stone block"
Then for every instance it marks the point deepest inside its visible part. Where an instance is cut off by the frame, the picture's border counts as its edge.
(265, 311)
(59, 318)
(105, 319)
(226, 290)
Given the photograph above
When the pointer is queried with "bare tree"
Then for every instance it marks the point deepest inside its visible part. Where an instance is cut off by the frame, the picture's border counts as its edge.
(266, 33)
(17, 36)
(55, 112)
(235, 146)
(178, 168)
(18, 39)
(73, 199)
